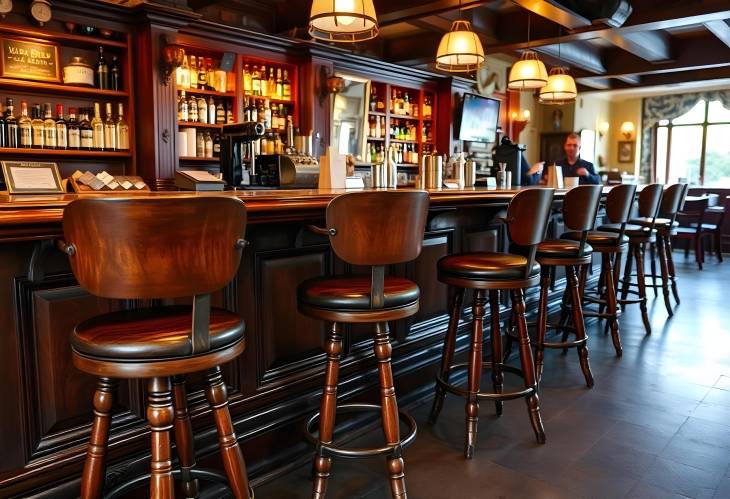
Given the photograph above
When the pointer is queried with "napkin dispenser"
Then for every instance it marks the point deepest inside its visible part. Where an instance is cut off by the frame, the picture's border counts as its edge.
(554, 177)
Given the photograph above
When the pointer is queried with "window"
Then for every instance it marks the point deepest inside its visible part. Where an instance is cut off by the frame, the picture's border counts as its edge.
(695, 147)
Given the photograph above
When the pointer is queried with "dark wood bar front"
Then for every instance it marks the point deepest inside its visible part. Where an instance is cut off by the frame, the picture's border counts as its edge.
(45, 417)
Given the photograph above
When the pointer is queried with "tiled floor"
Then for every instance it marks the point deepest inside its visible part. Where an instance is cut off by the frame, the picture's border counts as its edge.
(656, 424)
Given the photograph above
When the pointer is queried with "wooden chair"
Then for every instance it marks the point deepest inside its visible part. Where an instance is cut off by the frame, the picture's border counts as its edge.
(373, 229)
(526, 221)
(699, 221)
(580, 207)
(163, 248)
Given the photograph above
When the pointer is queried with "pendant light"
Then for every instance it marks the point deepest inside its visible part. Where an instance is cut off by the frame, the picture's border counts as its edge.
(460, 50)
(560, 88)
(529, 72)
(345, 21)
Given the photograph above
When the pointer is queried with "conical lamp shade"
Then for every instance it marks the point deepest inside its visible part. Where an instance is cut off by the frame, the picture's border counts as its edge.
(528, 73)
(346, 21)
(460, 50)
(560, 88)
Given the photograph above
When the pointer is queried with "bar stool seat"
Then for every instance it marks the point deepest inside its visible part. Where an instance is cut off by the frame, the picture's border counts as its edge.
(352, 292)
(599, 239)
(562, 248)
(633, 231)
(151, 333)
(661, 223)
(460, 269)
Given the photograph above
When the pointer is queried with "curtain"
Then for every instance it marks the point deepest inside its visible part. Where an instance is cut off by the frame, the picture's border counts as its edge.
(668, 107)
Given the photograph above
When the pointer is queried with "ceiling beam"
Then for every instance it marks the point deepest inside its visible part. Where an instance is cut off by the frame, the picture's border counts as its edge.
(676, 77)
(630, 79)
(581, 55)
(595, 82)
(720, 29)
(557, 14)
(400, 15)
(652, 46)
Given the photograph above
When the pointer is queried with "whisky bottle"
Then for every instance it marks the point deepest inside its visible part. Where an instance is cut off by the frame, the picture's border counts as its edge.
(13, 139)
(25, 126)
(247, 85)
(229, 112)
(202, 109)
(286, 86)
(61, 128)
(38, 127)
(202, 75)
(193, 109)
(256, 81)
(211, 110)
(208, 143)
(182, 108)
(220, 113)
(97, 128)
(122, 130)
(74, 131)
(271, 84)
(267, 115)
(279, 84)
(264, 83)
(86, 132)
(193, 72)
(110, 130)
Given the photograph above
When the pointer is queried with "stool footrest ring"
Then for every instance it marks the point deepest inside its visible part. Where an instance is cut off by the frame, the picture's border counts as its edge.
(486, 395)
(202, 473)
(565, 344)
(336, 450)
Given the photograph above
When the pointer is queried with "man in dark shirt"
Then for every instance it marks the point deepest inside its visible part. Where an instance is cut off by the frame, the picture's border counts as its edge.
(573, 166)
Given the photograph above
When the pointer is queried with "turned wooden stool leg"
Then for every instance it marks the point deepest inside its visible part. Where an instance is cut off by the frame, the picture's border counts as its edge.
(475, 371)
(542, 318)
(579, 324)
(217, 395)
(641, 277)
(327, 410)
(92, 480)
(160, 416)
(528, 368)
(457, 300)
(389, 410)
(184, 436)
(652, 257)
(616, 271)
(612, 305)
(670, 265)
(497, 355)
(627, 272)
(664, 265)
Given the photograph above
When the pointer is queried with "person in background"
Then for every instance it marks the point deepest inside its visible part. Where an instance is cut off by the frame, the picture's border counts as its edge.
(573, 165)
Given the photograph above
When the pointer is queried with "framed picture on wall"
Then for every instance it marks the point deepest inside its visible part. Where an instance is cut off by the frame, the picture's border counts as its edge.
(626, 151)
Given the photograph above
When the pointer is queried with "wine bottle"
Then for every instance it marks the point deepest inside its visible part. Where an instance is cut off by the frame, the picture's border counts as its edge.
(25, 126)
(13, 139)
(211, 110)
(3, 129)
(101, 73)
(61, 128)
(86, 132)
(110, 130)
(122, 130)
(286, 86)
(182, 108)
(97, 128)
(38, 127)
(74, 131)
(115, 74)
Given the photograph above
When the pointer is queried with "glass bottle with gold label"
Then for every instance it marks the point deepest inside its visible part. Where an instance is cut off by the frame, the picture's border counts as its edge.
(97, 128)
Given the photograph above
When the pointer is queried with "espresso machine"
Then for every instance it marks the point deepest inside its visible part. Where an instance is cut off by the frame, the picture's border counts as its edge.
(238, 148)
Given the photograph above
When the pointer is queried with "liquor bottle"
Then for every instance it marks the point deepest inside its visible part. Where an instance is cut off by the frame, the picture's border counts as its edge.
(220, 113)
(256, 81)
(271, 84)
(115, 74)
(182, 108)
(373, 98)
(371, 132)
(208, 142)
(247, 84)
(25, 126)
(38, 127)
(74, 131)
(202, 75)
(211, 110)
(182, 74)
(393, 99)
(193, 109)
(264, 83)
(193, 72)
(427, 110)
(279, 84)
(275, 118)
(202, 109)
(110, 130)
(211, 74)
(283, 118)
(61, 128)
(229, 112)
(267, 115)
(3, 129)
(406, 105)
(13, 139)
(286, 88)
(199, 145)
(377, 131)
(122, 130)
(382, 127)
(101, 73)
(86, 132)
(217, 146)
(97, 128)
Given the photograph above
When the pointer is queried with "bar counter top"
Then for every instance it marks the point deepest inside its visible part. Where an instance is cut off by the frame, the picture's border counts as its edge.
(262, 205)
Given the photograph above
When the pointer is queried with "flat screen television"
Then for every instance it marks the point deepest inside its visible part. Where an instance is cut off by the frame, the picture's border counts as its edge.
(479, 119)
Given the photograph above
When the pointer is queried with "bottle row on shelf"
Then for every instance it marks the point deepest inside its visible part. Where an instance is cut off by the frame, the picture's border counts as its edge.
(398, 130)
(258, 83)
(200, 73)
(275, 117)
(104, 75)
(402, 103)
(43, 130)
(199, 109)
(404, 154)
(194, 143)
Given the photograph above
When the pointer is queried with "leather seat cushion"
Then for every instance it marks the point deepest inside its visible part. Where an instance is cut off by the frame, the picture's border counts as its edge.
(152, 333)
(598, 239)
(632, 230)
(487, 266)
(562, 248)
(352, 292)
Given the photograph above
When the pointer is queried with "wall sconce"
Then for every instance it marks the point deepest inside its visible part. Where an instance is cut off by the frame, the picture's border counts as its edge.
(329, 84)
(518, 121)
(172, 58)
(627, 130)
(603, 129)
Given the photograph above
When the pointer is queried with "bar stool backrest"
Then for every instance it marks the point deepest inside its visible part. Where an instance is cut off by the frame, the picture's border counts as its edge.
(128, 248)
(580, 207)
(618, 205)
(377, 229)
(672, 200)
(650, 198)
(527, 219)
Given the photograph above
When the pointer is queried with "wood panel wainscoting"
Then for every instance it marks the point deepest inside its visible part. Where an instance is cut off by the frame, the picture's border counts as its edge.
(45, 419)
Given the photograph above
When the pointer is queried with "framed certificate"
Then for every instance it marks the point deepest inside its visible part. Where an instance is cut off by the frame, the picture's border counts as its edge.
(29, 177)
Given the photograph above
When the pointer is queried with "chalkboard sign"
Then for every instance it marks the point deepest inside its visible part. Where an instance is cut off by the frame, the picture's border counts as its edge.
(29, 59)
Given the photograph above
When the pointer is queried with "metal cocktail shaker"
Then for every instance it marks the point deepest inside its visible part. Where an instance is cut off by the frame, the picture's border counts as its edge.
(470, 173)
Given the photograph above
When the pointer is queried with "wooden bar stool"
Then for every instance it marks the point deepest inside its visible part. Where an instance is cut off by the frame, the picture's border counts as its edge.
(163, 248)
(372, 229)
(526, 221)
(579, 215)
(666, 226)
(610, 245)
(639, 236)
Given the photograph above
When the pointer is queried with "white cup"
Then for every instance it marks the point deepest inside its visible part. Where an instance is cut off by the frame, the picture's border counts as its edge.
(570, 182)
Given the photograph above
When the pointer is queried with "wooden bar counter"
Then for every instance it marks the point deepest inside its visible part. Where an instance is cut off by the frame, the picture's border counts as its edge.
(45, 416)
